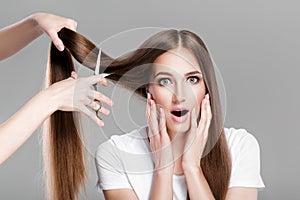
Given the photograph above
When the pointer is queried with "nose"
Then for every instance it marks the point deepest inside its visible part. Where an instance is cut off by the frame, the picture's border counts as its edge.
(179, 95)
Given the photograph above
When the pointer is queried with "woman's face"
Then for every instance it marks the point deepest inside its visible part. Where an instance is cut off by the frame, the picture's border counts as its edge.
(177, 86)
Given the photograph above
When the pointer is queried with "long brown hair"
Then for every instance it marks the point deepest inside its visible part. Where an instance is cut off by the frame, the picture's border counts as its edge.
(131, 71)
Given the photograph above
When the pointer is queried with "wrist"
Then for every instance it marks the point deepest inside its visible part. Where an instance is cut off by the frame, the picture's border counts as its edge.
(187, 167)
(36, 16)
(50, 100)
(35, 19)
(165, 171)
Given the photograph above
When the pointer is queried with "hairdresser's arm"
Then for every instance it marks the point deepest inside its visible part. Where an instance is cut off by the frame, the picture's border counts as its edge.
(13, 38)
(59, 96)
(16, 130)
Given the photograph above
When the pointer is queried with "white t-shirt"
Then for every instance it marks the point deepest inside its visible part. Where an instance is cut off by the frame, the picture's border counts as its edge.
(125, 161)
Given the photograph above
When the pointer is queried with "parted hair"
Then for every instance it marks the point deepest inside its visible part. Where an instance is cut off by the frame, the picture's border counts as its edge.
(63, 148)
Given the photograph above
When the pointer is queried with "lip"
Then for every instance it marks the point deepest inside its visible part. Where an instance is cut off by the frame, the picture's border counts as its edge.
(179, 119)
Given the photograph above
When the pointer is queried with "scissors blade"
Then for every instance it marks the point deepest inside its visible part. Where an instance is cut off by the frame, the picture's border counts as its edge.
(97, 68)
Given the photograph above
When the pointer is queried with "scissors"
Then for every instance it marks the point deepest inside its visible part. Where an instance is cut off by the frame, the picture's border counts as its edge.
(97, 69)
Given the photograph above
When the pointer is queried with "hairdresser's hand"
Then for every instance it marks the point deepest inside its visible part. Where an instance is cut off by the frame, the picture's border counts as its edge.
(51, 24)
(197, 136)
(160, 143)
(76, 94)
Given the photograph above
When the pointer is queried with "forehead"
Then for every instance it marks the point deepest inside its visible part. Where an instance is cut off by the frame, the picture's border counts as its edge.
(179, 61)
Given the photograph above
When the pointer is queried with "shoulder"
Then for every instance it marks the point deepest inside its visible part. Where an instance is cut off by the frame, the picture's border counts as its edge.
(134, 141)
(245, 158)
(238, 139)
(129, 152)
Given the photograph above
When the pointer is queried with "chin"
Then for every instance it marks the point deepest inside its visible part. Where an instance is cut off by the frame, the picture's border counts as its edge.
(179, 127)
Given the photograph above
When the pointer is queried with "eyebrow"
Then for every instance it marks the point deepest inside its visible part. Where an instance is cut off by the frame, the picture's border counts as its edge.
(187, 74)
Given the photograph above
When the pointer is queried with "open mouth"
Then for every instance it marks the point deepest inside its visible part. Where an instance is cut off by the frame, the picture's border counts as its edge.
(179, 113)
(179, 116)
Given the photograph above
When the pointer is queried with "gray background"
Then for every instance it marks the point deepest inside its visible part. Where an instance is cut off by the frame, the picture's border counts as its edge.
(254, 43)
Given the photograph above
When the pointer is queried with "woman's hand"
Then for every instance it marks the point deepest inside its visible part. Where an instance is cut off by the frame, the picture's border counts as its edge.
(51, 24)
(160, 143)
(197, 136)
(76, 94)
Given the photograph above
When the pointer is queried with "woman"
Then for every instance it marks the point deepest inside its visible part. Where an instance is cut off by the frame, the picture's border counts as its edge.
(185, 152)
(16, 130)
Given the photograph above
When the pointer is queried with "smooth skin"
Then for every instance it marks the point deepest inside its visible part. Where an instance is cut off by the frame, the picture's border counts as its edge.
(72, 94)
(15, 37)
(178, 82)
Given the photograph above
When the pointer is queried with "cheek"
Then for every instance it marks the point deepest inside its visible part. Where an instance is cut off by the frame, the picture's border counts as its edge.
(200, 94)
(161, 95)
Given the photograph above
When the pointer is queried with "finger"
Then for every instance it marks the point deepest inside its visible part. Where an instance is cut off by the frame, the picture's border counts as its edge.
(193, 125)
(100, 97)
(148, 107)
(104, 111)
(208, 106)
(56, 41)
(153, 118)
(193, 121)
(203, 116)
(97, 107)
(98, 79)
(91, 115)
(208, 114)
(162, 122)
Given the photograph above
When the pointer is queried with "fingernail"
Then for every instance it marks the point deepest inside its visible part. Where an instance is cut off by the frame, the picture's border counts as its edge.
(151, 102)
(74, 73)
(61, 47)
(101, 123)
(105, 82)
(148, 95)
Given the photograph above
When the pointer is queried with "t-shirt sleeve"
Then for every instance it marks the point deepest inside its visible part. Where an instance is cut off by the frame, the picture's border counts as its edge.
(246, 162)
(109, 168)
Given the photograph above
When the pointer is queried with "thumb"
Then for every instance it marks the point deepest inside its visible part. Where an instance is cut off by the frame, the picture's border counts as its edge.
(56, 41)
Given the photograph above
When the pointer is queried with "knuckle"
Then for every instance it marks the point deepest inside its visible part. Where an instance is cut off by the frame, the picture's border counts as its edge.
(70, 21)
(84, 100)
(95, 106)
(100, 96)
